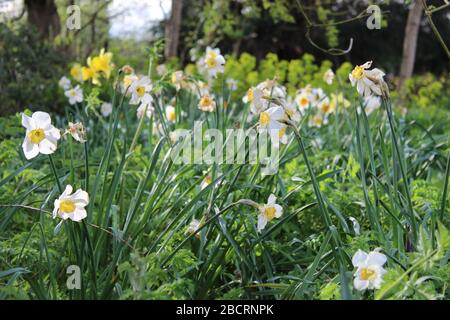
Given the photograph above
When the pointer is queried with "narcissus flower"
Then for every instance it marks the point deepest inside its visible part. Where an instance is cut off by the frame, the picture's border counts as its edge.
(77, 131)
(77, 72)
(326, 107)
(102, 63)
(71, 206)
(177, 79)
(106, 109)
(161, 69)
(317, 120)
(213, 62)
(128, 80)
(89, 73)
(170, 114)
(64, 83)
(367, 81)
(268, 212)
(206, 182)
(328, 76)
(75, 95)
(369, 273)
(371, 103)
(207, 103)
(41, 135)
(302, 100)
(258, 103)
(140, 91)
(147, 108)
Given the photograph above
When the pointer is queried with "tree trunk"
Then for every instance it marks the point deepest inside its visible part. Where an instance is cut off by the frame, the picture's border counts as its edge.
(172, 29)
(410, 42)
(44, 16)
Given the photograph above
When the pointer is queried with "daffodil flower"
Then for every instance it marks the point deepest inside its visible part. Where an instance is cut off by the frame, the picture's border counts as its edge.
(77, 131)
(272, 120)
(102, 63)
(369, 273)
(206, 182)
(367, 81)
(371, 103)
(177, 79)
(303, 101)
(127, 82)
(64, 83)
(170, 114)
(140, 91)
(41, 136)
(77, 72)
(325, 107)
(106, 109)
(207, 103)
(75, 95)
(317, 120)
(71, 206)
(268, 212)
(290, 108)
(213, 62)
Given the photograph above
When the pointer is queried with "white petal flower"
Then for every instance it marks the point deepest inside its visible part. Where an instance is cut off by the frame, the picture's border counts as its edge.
(177, 79)
(317, 120)
(77, 131)
(369, 273)
(128, 81)
(213, 62)
(290, 108)
(268, 212)
(41, 135)
(207, 103)
(303, 101)
(140, 91)
(64, 83)
(271, 121)
(328, 76)
(170, 114)
(367, 81)
(71, 206)
(75, 95)
(106, 109)
(371, 104)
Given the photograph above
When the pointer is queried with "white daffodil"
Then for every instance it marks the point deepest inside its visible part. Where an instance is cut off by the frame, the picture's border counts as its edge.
(367, 81)
(106, 109)
(170, 114)
(258, 102)
(140, 91)
(328, 76)
(232, 84)
(213, 62)
(325, 107)
(369, 273)
(268, 212)
(127, 82)
(303, 101)
(317, 120)
(272, 121)
(356, 226)
(41, 135)
(371, 103)
(64, 83)
(71, 206)
(193, 226)
(77, 131)
(273, 90)
(147, 108)
(207, 104)
(75, 95)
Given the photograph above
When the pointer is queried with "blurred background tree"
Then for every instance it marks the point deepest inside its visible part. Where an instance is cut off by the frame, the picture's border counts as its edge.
(405, 44)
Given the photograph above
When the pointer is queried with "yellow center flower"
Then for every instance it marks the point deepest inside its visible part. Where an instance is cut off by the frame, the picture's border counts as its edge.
(358, 72)
(368, 274)
(171, 116)
(127, 81)
(36, 136)
(264, 118)
(250, 95)
(317, 120)
(205, 101)
(325, 108)
(304, 101)
(281, 133)
(210, 60)
(66, 206)
(269, 213)
(76, 72)
(140, 91)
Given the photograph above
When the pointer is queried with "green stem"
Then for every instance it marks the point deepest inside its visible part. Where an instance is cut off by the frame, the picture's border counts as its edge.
(52, 164)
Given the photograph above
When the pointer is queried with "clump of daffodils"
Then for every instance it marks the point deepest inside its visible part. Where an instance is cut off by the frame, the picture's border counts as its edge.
(96, 68)
(71, 206)
(370, 271)
(213, 62)
(367, 81)
(41, 136)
